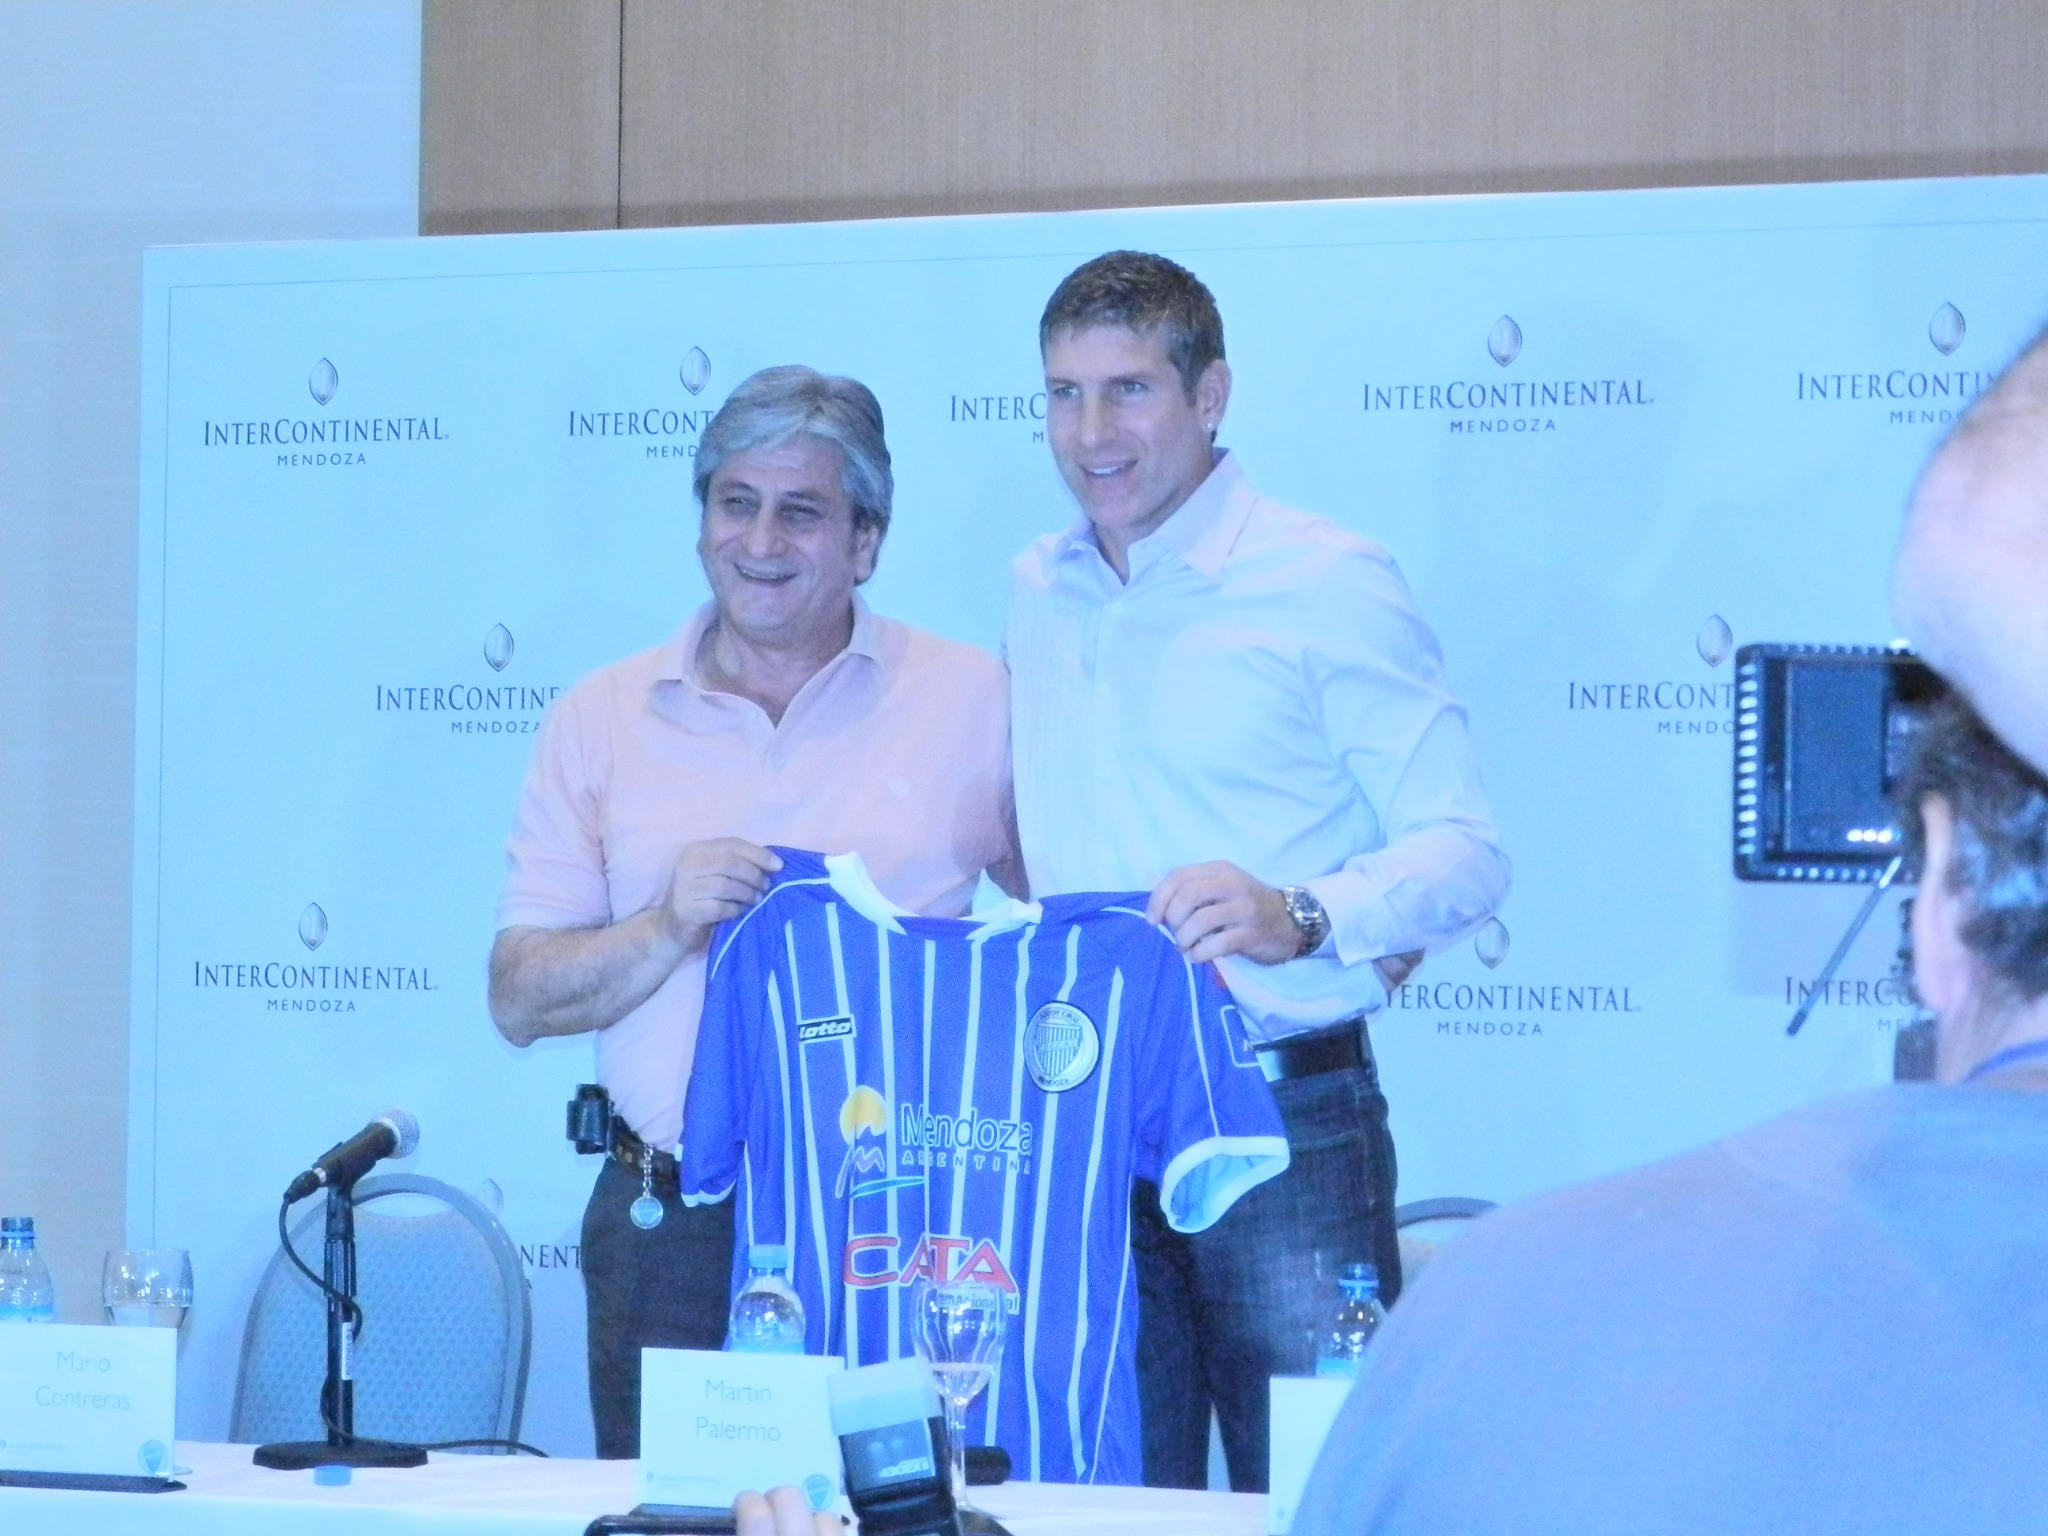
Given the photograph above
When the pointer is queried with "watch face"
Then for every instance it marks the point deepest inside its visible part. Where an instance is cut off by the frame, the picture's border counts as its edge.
(1308, 916)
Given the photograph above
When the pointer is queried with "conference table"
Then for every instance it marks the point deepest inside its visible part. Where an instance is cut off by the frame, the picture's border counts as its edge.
(455, 1495)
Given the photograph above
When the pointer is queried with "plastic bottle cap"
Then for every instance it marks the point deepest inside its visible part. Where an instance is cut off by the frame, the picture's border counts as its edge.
(767, 1256)
(333, 1476)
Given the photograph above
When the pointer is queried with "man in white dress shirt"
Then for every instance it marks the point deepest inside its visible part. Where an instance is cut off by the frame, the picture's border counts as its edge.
(1235, 706)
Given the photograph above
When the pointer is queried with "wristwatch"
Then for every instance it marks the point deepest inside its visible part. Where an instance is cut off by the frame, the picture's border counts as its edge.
(1308, 917)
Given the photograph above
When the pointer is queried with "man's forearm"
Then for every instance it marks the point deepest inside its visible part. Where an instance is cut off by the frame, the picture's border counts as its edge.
(1422, 891)
(568, 981)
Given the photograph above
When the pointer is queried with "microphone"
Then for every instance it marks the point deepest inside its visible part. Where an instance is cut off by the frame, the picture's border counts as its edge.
(392, 1134)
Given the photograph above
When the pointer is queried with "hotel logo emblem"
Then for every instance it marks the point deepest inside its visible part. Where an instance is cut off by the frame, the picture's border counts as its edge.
(696, 370)
(1947, 329)
(1716, 641)
(312, 926)
(498, 648)
(1504, 341)
(1490, 944)
(323, 381)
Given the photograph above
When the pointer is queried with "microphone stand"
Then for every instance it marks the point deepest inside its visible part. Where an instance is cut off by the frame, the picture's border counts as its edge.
(341, 1448)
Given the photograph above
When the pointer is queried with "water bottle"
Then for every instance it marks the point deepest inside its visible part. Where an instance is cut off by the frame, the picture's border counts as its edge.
(26, 1294)
(1358, 1318)
(767, 1318)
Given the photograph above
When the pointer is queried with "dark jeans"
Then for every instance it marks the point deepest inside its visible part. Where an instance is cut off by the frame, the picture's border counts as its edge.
(669, 1288)
(1222, 1311)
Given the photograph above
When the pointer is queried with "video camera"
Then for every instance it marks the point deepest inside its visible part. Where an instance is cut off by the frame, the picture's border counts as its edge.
(1823, 734)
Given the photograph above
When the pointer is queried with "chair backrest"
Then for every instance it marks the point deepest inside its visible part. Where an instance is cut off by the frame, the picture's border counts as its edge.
(1415, 1221)
(447, 1324)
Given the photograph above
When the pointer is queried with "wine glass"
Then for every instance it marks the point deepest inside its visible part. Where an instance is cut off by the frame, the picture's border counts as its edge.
(959, 1329)
(147, 1286)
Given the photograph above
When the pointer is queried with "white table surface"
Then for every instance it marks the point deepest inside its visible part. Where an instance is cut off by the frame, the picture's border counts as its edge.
(227, 1495)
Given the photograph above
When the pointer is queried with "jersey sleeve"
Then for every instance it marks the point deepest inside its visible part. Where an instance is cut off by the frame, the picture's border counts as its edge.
(1208, 1127)
(730, 1107)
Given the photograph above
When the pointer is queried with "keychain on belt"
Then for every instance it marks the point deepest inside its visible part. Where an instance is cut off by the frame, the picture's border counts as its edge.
(646, 1211)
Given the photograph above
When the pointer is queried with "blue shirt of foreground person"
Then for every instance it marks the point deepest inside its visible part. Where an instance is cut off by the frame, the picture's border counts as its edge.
(1836, 1322)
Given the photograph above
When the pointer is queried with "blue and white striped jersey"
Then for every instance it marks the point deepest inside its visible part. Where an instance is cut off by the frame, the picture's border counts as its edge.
(897, 1097)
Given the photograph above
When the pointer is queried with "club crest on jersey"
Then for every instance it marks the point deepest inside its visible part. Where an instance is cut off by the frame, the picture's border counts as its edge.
(1061, 1047)
(837, 1027)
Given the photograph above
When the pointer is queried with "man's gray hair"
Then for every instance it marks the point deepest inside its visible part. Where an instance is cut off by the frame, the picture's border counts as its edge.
(777, 404)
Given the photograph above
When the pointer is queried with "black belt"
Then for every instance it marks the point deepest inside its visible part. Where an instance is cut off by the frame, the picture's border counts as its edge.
(629, 1149)
(1314, 1051)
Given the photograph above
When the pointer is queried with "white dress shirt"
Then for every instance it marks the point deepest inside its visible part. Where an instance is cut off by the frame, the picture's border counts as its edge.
(1262, 690)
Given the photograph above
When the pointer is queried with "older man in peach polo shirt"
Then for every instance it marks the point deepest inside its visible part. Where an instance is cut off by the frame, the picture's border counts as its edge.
(784, 712)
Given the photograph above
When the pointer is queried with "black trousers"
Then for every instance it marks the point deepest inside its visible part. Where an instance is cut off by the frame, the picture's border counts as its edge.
(668, 1288)
(1221, 1312)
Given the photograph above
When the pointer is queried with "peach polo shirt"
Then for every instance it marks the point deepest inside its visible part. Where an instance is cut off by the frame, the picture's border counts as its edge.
(898, 750)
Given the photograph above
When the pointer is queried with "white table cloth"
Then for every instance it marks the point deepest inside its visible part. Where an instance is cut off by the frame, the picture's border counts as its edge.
(226, 1495)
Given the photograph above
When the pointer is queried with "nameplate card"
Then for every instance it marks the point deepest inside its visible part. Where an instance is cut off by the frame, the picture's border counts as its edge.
(714, 1422)
(1303, 1408)
(91, 1399)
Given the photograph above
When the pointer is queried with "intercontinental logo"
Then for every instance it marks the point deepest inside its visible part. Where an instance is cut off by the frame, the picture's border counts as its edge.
(326, 440)
(654, 428)
(1697, 705)
(997, 410)
(1483, 402)
(306, 981)
(1910, 391)
(484, 704)
(1886, 1000)
(1506, 1009)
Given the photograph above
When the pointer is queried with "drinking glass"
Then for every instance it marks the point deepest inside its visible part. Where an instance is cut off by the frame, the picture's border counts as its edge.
(150, 1286)
(959, 1329)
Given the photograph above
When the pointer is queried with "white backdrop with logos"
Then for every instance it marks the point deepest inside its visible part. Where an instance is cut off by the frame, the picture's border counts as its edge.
(397, 495)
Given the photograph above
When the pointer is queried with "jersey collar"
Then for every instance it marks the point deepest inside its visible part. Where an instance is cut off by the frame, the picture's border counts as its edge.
(849, 875)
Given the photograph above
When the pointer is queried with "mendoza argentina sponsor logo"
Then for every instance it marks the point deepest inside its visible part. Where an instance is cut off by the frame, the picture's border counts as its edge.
(1696, 705)
(663, 424)
(1910, 391)
(482, 704)
(1480, 403)
(1507, 1010)
(311, 982)
(327, 439)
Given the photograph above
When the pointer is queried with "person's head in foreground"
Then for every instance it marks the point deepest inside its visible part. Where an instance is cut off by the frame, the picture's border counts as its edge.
(1971, 586)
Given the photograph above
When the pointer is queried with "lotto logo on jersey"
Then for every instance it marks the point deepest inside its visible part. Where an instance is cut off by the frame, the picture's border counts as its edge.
(839, 1027)
(871, 1261)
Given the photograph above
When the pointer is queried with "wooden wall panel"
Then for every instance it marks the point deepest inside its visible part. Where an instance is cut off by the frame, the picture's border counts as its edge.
(792, 109)
(519, 118)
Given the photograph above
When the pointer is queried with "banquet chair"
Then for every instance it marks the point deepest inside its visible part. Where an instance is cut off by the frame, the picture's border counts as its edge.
(1424, 1226)
(447, 1324)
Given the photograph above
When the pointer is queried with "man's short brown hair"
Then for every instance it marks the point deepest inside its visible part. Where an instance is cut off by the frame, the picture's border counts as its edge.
(1145, 293)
